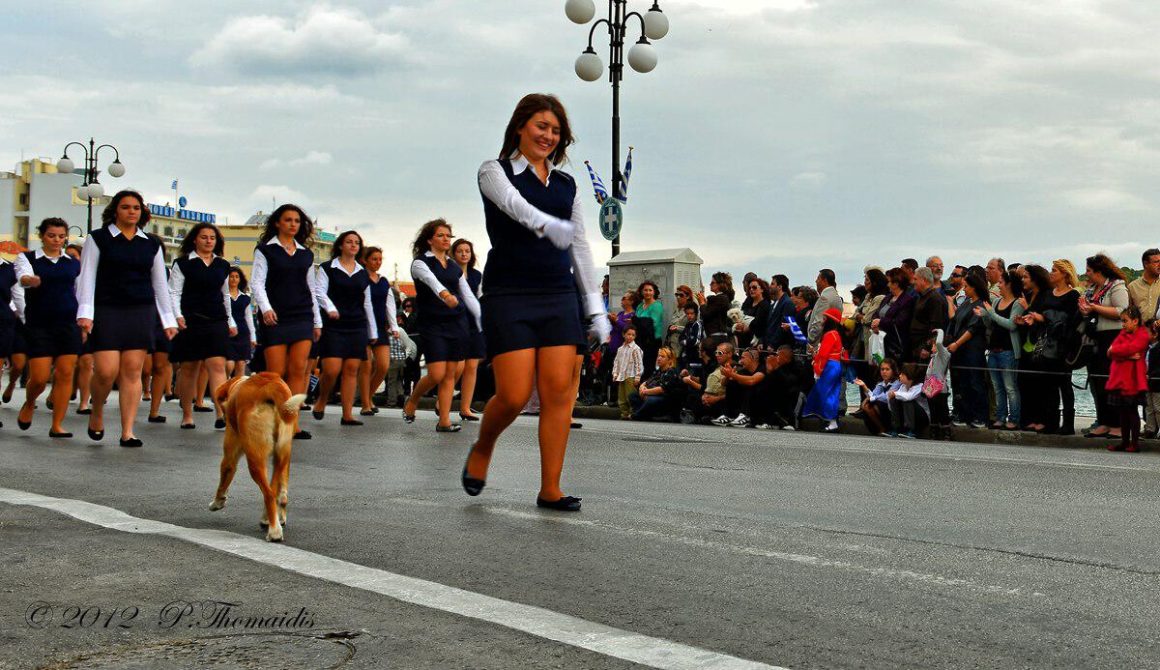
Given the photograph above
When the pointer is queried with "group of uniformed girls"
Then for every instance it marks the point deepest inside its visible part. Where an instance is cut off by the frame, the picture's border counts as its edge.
(121, 307)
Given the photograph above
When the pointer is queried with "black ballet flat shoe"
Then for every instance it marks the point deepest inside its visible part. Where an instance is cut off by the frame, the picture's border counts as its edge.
(453, 428)
(131, 442)
(96, 435)
(468, 417)
(63, 436)
(219, 424)
(202, 409)
(23, 425)
(7, 397)
(156, 419)
(351, 422)
(85, 412)
(409, 418)
(188, 426)
(367, 412)
(170, 397)
(471, 485)
(302, 435)
(317, 415)
(48, 403)
(576, 424)
(565, 504)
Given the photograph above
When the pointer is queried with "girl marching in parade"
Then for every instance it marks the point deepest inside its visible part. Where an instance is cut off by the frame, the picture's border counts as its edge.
(45, 296)
(538, 283)
(283, 286)
(464, 253)
(84, 375)
(201, 300)
(444, 300)
(344, 292)
(8, 318)
(241, 347)
(122, 284)
(383, 305)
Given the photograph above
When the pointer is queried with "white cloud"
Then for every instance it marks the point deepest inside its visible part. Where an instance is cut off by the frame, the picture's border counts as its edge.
(313, 158)
(808, 181)
(322, 40)
(267, 194)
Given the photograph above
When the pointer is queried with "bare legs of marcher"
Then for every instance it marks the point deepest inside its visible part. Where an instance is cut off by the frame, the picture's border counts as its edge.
(289, 362)
(440, 374)
(39, 371)
(123, 367)
(555, 373)
(467, 373)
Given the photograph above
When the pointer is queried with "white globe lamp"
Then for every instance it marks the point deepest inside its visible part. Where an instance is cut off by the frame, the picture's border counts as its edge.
(580, 11)
(117, 169)
(589, 67)
(642, 57)
(65, 165)
(656, 24)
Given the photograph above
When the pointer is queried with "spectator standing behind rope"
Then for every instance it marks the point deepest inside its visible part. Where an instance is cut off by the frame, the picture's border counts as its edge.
(1004, 349)
(1152, 399)
(828, 298)
(756, 307)
(877, 288)
(1107, 297)
(931, 312)
(894, 317)
(968, 347)
(779, 308)
(715, 308)
(1128, 377)
(45, 298)
(121, 286)
(1145, 290)
(677, 320)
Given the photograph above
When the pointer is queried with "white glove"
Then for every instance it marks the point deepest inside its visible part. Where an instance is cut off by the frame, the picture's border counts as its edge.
(600, 328)
(560, 233)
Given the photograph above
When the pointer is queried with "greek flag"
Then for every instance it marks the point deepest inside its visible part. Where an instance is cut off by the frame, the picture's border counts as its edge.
(174, 186)
(797, 332)
(625, 177)
(597, 185)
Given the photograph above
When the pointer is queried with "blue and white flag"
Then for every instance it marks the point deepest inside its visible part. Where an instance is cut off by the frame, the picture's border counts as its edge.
(174, 186)
(597, 185)
(797, 332)
(625, 177)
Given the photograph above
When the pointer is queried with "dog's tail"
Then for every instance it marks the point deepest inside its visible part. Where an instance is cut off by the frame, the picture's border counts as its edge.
(289, 409)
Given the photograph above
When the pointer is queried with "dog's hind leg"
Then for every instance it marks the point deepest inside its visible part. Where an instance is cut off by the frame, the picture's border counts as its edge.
(231, 454)
(280, 479)
(269, 500)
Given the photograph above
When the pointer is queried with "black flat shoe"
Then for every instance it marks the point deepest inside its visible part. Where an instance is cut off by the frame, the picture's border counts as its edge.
(317, 415)
(59, 435)
(468, 417)
(576, 424)
(131, 442)
(302, 435)
(367, 412)
(351, 422)
(565, 504)
(96, 435)
(23, 425)
(219, 424)
(188, 426)
(471, 485)
(156, 419)
(202, 409)
(409, 418)
(453, 428)
(85, 412)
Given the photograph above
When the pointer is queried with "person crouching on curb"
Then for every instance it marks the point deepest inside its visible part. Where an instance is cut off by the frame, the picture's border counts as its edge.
(826, 396)
(876, 407)
(626, 370)
(908, 405)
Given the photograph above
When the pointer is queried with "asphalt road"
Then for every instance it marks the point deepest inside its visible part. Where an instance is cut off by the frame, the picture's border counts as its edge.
(698, 547)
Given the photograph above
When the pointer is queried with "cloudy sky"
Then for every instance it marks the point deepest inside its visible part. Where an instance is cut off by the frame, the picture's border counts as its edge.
(777, 135)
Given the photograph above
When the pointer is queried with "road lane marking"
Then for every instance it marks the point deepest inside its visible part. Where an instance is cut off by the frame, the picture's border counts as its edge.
(791, 557)
(573, 631)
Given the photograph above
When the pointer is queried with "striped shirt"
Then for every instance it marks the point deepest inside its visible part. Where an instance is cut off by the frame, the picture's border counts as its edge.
(629, 362)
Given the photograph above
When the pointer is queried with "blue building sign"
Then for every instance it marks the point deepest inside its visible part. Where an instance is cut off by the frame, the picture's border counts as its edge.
(188, 215)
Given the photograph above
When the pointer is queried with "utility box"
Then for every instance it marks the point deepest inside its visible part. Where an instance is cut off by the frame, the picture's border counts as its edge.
(668, 268)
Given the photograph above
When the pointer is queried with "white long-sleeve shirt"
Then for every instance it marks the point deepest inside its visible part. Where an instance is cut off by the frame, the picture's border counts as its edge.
(24, 269)
(392, 312)
(322, 287)
(177, 287)
(420, 272)
(497, 188)
(261, 270)
(250, 316)
(87, 281)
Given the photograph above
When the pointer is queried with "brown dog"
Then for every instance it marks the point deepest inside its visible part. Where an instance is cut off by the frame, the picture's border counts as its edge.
(261, 418)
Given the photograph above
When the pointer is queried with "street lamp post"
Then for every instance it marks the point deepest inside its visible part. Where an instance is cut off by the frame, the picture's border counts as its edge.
(91, 187)
(642, 57)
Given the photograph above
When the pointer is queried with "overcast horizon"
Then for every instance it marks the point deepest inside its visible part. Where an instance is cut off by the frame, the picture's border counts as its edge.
(780, 136)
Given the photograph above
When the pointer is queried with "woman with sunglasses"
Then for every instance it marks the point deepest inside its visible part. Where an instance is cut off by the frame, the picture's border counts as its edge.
(756, 307)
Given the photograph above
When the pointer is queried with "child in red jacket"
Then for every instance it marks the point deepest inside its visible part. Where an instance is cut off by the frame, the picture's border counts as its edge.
(1128, 378)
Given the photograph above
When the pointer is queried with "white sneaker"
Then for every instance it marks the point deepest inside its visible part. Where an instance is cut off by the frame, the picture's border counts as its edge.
(763, 426)
(788, 427)
(740, 422)
(722, 421)
(832, 427)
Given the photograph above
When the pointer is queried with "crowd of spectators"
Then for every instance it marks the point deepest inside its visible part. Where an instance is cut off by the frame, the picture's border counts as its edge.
(990, 346)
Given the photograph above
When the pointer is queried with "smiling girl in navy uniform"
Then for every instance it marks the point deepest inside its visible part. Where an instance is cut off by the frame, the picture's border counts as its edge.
(344, 292)
(241, 347)
(443, 301)
(122, 284)
(283, 286)
(46, 297)
(201, 299)
(539, 287)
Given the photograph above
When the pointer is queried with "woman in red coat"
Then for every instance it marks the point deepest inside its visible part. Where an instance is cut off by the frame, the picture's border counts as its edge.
(1128, 378)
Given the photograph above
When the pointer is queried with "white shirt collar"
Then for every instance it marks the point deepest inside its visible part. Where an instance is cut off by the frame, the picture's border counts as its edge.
(274, 240)
(337, 263)
(193, 254)
(40, 254)
(519, 164)
(115, 231)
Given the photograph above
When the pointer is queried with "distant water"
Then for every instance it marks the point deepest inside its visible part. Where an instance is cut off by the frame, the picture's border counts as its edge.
(1084, 406)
